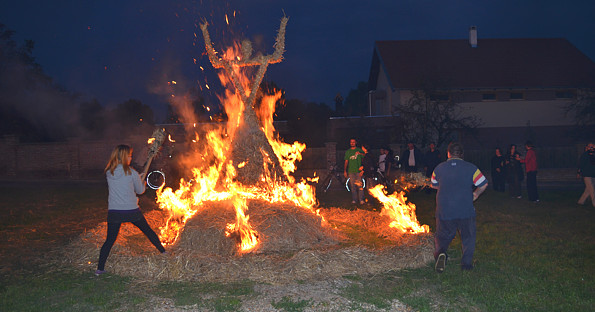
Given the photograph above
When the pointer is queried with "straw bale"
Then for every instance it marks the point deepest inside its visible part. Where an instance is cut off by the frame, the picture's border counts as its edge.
(294, 245)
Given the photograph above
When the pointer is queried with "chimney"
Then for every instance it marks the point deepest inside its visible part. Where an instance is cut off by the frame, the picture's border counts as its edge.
(473, 36)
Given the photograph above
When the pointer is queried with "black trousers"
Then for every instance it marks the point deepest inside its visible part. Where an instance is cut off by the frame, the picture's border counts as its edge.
(113, 228)
(532, 186)
(498, 181)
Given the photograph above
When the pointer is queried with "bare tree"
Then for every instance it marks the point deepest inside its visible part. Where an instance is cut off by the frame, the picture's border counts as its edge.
(433, 115)
(583, 110)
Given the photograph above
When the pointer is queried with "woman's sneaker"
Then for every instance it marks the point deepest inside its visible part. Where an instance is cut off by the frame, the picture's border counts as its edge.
(99, 272)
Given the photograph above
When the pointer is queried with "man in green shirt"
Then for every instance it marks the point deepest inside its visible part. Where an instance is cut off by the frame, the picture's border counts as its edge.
(353, 172)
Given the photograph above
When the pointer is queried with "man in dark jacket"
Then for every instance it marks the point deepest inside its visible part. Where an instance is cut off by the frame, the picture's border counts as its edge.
(410, 158)
(498, 174)
(431, 159)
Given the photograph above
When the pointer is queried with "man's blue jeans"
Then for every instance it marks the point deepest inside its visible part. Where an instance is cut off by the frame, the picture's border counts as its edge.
(445, 233)
(356, 186)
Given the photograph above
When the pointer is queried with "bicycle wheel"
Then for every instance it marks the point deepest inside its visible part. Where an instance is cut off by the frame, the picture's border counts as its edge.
(347, 184)
(325, 184)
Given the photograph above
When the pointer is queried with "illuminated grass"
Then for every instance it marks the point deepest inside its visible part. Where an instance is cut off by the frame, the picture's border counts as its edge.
(528, 258)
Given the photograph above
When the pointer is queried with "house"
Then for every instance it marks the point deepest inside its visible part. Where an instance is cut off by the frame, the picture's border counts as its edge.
(517, 87)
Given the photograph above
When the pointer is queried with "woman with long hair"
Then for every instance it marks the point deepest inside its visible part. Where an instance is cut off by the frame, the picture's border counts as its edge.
(124, 183)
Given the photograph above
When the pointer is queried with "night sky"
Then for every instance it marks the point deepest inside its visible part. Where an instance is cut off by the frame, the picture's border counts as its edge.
(117, 50)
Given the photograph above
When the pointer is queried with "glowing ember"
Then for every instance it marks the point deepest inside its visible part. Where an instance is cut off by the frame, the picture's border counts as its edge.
(150, 140)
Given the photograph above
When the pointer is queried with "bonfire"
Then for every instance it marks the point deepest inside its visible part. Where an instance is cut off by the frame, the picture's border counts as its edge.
(242, 215)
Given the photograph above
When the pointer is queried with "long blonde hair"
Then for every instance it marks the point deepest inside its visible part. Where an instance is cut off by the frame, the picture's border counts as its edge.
(119, 156)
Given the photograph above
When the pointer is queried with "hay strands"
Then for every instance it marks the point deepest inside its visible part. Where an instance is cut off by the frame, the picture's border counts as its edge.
(159, 137)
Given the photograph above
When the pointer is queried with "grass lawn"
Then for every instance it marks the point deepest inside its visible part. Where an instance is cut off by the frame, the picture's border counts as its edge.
(529, 257)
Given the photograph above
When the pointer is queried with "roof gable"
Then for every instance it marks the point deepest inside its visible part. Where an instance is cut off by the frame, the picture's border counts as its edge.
(494, 63)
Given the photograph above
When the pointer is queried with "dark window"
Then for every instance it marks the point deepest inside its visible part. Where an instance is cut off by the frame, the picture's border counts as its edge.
(517, 96)
(489, 96)
(565, 94)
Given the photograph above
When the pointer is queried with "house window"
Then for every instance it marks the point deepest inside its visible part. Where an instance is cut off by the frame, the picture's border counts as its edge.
(489, 97)
(517, 96)
(565, 94)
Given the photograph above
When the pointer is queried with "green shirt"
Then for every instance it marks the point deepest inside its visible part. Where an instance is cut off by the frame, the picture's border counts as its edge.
(354, 159)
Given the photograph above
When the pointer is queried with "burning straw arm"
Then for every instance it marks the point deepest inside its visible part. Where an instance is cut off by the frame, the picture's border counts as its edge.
(247, 59)
(156, 141)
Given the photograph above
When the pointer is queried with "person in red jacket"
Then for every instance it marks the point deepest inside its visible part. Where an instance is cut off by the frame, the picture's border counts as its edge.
(530, 162)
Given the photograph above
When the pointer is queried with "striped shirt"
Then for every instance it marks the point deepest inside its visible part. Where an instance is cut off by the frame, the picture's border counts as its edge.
(455, 179)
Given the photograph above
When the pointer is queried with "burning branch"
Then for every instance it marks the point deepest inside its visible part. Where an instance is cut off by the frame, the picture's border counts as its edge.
(156, 141)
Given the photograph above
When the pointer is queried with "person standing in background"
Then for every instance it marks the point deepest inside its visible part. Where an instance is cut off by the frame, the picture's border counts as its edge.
(530, 162)
(586, 170)
(369, 169)
(514, 171)
(431, 159)
(498, 171)
(411, 158)
(353, 162)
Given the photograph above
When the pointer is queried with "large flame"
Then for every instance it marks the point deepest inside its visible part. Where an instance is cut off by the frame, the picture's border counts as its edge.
(213, 175)
(402, 213)
(248, 238)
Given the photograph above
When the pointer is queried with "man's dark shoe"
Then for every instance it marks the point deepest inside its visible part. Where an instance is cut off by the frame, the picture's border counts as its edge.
(440, 263)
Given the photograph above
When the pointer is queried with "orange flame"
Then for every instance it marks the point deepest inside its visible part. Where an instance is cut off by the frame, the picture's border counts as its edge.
(247, 236)
(402, 213)
(213, 174)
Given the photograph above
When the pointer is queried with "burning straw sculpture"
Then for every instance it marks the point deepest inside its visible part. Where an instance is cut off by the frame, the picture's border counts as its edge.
(250, 146)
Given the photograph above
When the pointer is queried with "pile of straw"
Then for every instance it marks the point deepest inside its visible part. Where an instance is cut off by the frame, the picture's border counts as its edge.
(294, 245)
(251, 147)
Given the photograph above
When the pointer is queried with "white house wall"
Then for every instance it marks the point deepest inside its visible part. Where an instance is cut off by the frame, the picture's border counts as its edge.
(507, 113)
(518, 113)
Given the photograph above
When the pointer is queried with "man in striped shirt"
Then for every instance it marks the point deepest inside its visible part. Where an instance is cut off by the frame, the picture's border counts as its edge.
(455, 180)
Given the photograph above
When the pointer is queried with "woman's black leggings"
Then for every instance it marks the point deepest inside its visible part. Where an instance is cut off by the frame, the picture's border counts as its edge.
(112, 234)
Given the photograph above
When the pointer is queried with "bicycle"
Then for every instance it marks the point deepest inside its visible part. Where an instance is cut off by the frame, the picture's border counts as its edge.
(380, 178)
(333, 174)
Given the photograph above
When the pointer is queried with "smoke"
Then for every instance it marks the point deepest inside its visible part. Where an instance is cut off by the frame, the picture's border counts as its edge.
(32, 105)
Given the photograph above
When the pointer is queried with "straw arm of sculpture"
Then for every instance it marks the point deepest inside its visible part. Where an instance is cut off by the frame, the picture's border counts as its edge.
(276, 57)
(215, 61)
(280, 42)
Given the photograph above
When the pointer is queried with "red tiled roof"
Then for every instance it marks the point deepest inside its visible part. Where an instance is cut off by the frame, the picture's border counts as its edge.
(494, 63)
